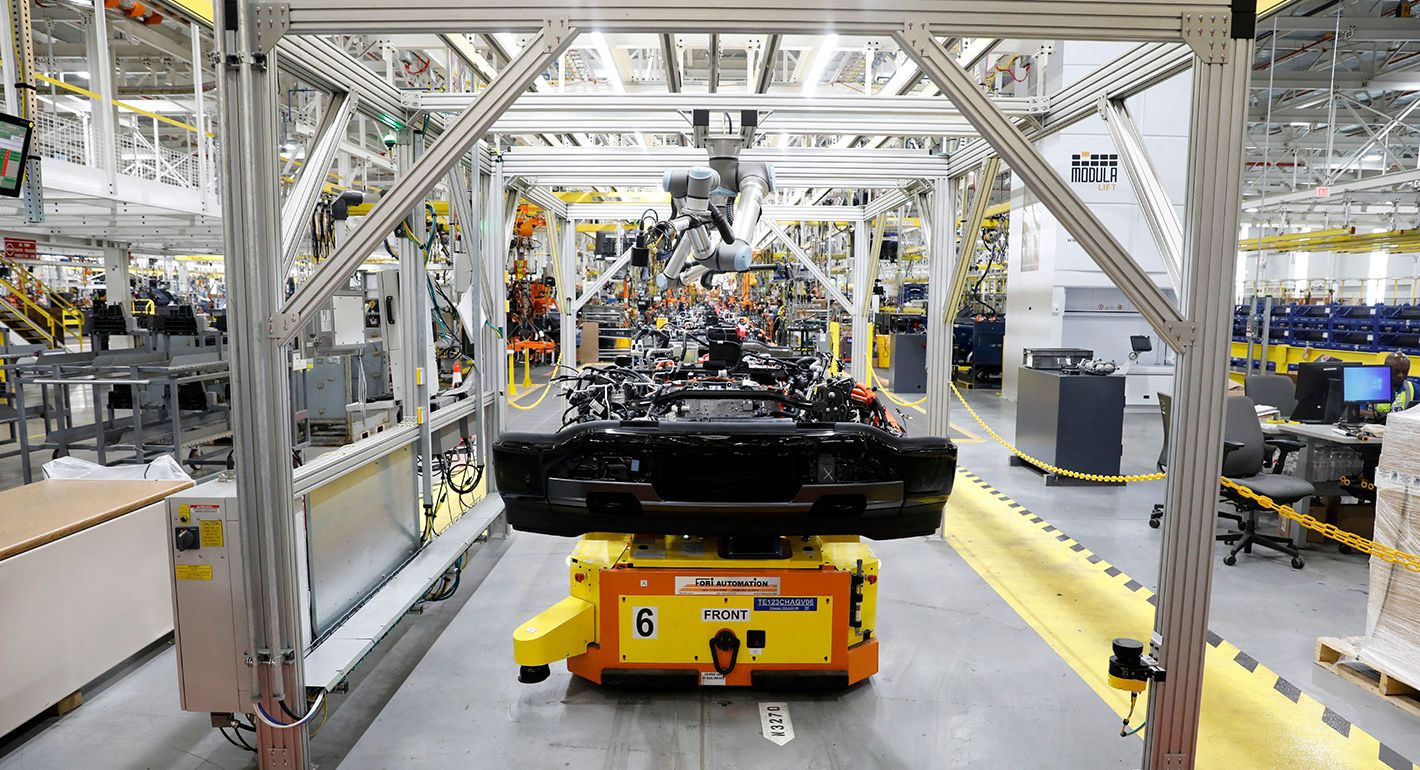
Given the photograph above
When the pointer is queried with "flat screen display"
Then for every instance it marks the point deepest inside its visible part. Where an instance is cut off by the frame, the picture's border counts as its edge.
(14, 152)
(1365, 384)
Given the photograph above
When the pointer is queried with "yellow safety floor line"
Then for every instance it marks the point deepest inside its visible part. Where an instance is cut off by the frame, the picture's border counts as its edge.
(1078, 603)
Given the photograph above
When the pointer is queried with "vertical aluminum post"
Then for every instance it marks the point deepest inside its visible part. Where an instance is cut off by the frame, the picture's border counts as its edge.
(416, 323)
(1215, 163)
(1266, 335)
(116, 279)
(103, 129)
(261, 404)
(199, 117)
(494, 266)
(7, 56)
(940, 259)
(473, 241)
(862, 328)
(1251, 329)
(567, 293)
(19, 54)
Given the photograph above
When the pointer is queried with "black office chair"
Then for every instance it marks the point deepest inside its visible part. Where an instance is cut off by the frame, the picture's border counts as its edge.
(1246, 455)
(1157, 515)
(1272, 390)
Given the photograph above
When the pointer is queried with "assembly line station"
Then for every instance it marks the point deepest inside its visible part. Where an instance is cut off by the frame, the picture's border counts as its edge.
(428, 682)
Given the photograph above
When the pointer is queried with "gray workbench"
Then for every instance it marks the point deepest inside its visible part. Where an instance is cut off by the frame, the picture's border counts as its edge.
(1307, 467)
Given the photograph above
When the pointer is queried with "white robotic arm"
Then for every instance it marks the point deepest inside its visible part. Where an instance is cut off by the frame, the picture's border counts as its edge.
(717, 244)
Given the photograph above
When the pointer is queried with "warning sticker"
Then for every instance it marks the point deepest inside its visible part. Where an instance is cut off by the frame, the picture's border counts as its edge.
(719, 585)
(712, 678)
(194, 572)
(210, 533)
(786, 604)
(189, 511)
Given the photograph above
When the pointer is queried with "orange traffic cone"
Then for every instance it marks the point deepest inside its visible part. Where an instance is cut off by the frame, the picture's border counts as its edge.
(458, 373)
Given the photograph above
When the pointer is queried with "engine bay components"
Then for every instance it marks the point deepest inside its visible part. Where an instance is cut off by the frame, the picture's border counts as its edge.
(722, 487)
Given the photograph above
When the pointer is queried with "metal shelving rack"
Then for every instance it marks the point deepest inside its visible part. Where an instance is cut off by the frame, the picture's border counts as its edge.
(1376, 328)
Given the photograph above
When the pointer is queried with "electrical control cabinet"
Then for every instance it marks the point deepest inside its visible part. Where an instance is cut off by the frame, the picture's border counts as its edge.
(209, 598)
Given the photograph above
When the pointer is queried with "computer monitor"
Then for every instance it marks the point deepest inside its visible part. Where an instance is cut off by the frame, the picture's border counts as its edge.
(1365, 384)
(14, 153)
(1314, 382)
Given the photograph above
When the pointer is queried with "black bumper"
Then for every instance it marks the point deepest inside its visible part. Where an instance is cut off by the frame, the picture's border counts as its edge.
(753, 477)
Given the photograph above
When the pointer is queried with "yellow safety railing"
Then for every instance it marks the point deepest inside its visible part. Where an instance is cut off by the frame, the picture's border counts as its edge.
(117, 103)
(26, 277)
(18, 311)
(144, 307)
(73, 322)
(1409, 561)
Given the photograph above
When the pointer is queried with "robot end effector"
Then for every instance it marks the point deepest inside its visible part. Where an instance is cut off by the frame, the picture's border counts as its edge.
(699, 217)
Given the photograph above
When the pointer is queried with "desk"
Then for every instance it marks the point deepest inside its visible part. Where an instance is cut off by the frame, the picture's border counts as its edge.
(1307, 468)
(86, 583)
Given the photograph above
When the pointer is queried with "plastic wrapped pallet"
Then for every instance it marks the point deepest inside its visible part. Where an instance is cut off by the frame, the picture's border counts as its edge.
(1392, 642)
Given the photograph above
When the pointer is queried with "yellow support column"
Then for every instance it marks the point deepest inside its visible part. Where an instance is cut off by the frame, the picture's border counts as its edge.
(527, 368)
(512, 367)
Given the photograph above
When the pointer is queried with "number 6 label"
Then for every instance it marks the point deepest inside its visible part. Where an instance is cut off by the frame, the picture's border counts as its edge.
(643, 622)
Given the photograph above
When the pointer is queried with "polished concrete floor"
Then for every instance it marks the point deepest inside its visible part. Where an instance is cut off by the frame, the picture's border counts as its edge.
(965, 681)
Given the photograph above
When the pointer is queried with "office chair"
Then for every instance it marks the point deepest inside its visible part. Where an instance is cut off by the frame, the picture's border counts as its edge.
(1157, 515)
(1272, 390)
(1246, 454)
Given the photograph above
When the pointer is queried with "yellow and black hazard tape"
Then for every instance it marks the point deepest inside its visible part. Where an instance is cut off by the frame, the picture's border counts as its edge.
(1387, 756)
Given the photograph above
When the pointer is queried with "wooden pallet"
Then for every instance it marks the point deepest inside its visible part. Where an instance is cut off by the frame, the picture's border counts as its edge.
(1338, 655)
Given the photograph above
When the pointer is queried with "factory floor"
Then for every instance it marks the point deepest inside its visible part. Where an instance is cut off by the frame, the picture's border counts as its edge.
(994, 640)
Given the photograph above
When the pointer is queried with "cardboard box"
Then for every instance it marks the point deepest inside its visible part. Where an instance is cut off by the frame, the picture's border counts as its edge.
(1358, 518)
(1392, 641)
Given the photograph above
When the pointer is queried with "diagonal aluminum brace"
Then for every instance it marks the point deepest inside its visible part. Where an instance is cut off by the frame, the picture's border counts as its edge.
(304, 193)
(1149, 300)
(422, 177)
(809, 265)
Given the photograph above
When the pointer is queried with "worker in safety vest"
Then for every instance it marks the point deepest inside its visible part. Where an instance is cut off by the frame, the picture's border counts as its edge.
(1402, 385)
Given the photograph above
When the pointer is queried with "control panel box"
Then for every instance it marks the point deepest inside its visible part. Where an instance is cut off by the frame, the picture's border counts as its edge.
(209, 599)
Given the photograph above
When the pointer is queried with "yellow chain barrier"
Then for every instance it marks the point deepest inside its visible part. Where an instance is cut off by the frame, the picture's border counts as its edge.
(883, 389)
(1384, 552)
(1045, 465)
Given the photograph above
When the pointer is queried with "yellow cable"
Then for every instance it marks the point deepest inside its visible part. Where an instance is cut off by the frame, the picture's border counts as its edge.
(545, 390)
